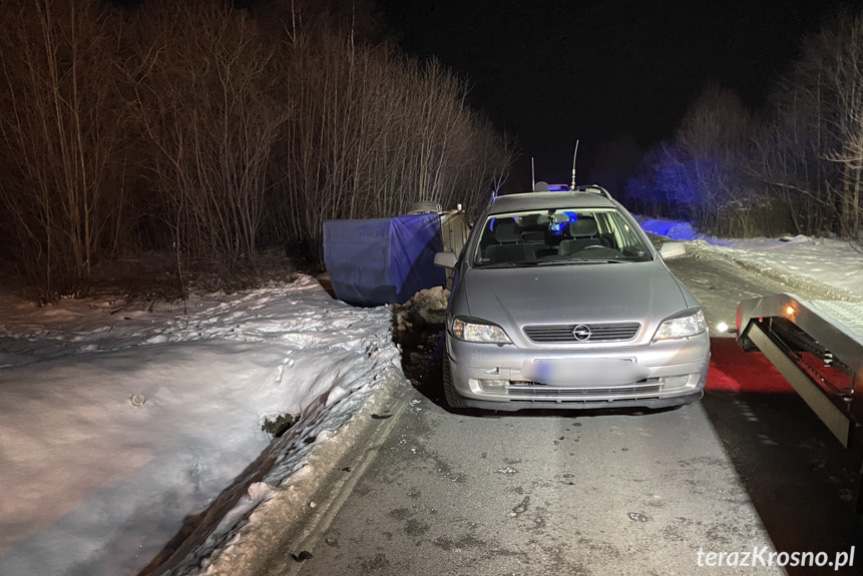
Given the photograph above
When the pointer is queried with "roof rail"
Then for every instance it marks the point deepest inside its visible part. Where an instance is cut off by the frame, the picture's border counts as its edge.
(595, 189)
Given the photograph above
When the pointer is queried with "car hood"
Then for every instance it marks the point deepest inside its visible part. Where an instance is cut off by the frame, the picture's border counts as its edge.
(645, 292)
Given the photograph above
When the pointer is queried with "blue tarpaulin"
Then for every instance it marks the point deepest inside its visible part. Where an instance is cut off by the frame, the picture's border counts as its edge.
(383, 261)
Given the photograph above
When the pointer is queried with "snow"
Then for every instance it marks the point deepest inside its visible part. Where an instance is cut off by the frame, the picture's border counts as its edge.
(98, 484)
(95, 484)
(832, 265)
(846, 316)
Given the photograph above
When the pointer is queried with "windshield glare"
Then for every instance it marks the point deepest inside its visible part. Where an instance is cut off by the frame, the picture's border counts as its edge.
(559, 235)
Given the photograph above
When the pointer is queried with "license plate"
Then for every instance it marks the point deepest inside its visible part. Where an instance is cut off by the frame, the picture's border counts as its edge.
(587, 372)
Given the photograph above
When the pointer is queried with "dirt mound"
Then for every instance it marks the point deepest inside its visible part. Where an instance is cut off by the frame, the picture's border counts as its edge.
(425, 307)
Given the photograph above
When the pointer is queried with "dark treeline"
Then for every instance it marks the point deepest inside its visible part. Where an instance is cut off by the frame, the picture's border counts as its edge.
(795, 167)
(208, 132)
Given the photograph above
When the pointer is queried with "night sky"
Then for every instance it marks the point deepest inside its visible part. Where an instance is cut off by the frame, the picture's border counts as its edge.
(550, 71)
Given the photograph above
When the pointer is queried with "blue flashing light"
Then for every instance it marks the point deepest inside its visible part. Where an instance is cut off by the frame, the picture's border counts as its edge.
(558, 188)
(555, 227)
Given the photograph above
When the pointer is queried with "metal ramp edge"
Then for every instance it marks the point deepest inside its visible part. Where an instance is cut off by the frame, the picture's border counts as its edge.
(834, 332)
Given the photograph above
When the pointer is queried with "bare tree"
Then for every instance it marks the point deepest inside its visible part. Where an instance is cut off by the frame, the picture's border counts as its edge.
(61, 135)
(809, 154)
(701, 173)
(843, 74)
(126, 129)
(205, 103)
(713, 137)
(375, 132)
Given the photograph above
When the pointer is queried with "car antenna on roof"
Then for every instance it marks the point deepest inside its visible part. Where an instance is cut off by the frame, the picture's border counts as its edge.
(532, 175)
(574, 156)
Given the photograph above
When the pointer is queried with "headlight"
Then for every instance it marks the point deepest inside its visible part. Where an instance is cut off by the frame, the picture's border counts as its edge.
(689, 324)
(477, 332)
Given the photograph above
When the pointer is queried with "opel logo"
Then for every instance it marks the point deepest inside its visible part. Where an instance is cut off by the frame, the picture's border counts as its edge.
(581, 332)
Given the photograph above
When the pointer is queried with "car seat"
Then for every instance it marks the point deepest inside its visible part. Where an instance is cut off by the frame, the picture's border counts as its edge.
(582, 233)
(510, 247)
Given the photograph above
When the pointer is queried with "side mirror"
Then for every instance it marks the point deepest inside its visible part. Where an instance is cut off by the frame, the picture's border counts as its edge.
(671, 250)
(445, 259)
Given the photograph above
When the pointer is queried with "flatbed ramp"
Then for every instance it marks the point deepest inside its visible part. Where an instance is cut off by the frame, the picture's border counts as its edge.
(817, 345)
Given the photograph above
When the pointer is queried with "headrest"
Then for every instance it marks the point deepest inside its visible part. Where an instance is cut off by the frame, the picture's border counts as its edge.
(507, 231)
(583, 228)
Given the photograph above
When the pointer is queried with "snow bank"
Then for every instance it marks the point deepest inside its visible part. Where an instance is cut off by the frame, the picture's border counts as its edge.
(828, 265)
(669, 229)
(101, 483)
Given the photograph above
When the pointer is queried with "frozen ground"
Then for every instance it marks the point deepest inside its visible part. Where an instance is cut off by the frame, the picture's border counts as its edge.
(830, 264)
(116, 424)
(119, 425)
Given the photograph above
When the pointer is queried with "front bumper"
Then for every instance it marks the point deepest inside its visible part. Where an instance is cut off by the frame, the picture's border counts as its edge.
(657, 375)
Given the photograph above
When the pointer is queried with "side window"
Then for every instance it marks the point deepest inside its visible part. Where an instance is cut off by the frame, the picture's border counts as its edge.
(609, 230)
(486, 239)
(630, 242)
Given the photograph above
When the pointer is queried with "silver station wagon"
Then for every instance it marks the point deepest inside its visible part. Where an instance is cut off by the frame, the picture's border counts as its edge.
(559, 300)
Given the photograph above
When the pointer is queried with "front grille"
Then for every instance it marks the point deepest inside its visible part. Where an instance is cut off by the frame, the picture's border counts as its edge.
(549, 393)
(619, 331)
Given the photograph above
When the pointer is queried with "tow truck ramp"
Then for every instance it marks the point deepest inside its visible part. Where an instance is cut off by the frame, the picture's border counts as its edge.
(817, 345)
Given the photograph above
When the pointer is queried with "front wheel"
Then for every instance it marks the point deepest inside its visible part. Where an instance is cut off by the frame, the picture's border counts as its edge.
(453, 399)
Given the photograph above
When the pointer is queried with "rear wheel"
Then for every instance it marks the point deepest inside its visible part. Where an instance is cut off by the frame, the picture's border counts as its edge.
(452, 397)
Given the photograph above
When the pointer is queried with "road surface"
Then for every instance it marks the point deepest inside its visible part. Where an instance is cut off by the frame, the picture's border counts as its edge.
(750, 468)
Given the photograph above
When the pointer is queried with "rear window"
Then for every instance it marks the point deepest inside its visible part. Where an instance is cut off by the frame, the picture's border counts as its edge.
(559, 236)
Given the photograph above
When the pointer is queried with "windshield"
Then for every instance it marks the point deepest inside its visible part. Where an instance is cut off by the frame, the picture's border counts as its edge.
(559, 236)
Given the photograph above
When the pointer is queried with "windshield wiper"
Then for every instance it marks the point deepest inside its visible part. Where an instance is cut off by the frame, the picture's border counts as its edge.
(581, 261)
(501, 265)
(552, 263)
(564, 262)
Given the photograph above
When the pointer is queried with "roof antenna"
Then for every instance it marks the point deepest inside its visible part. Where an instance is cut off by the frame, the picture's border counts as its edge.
(574, 156)
(532, 175)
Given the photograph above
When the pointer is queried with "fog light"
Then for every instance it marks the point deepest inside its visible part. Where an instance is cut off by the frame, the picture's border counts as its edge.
(493, 383)
(675, 382)
(497, 386)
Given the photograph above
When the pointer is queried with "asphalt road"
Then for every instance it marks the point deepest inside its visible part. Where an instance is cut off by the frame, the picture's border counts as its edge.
(570, 493)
